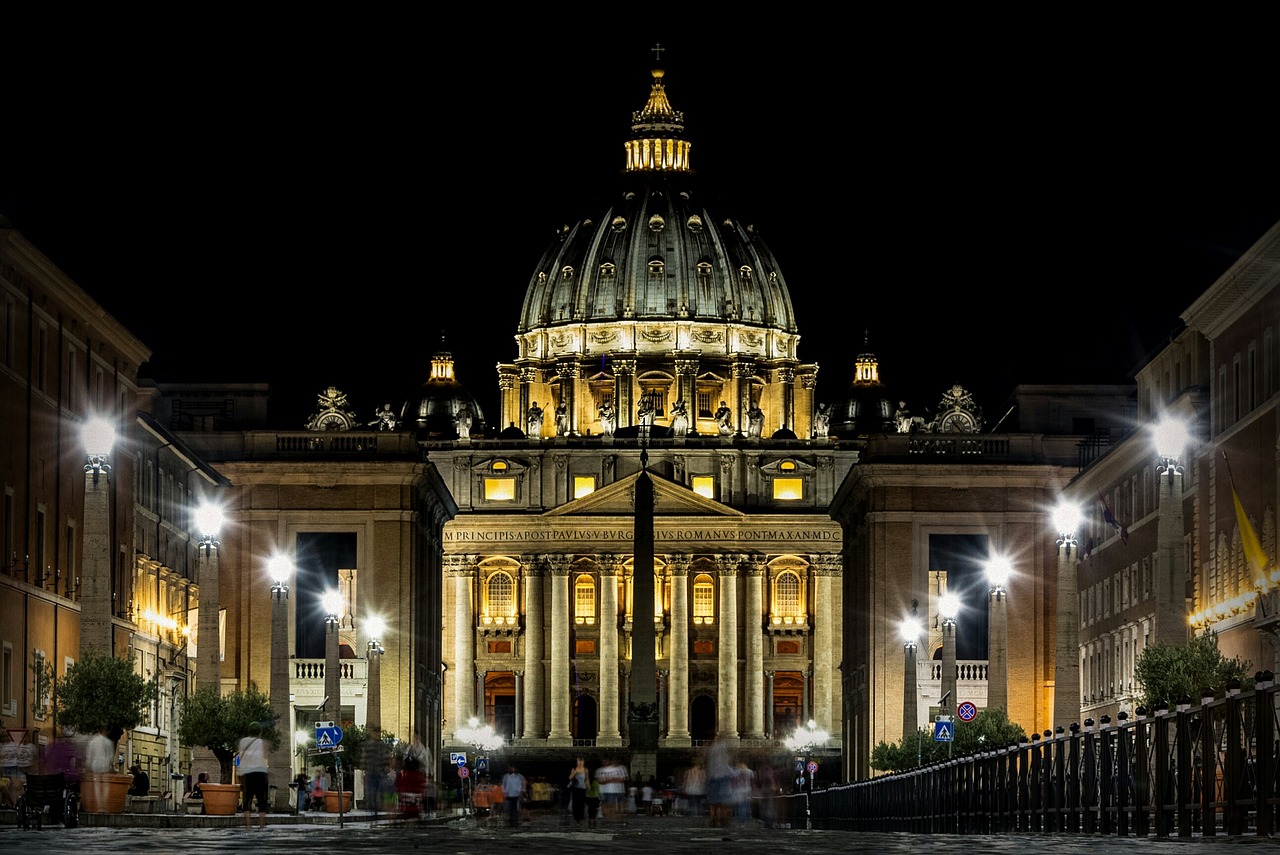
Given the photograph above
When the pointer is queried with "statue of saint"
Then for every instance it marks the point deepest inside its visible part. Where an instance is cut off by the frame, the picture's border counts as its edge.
(462, 421)
(755, 420)
(723, 418)
(821, 422)
(679, 418)
(608, 419)
(646, 412)
(384, 418)
(562, 420)
(533, 420)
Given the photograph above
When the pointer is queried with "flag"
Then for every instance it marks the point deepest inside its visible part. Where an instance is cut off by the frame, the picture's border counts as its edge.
(1110, 519)
(1253, 551)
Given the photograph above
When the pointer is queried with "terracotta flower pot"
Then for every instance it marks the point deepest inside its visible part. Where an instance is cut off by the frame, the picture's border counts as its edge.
(331, 801)
(220, 799)
(104, 792)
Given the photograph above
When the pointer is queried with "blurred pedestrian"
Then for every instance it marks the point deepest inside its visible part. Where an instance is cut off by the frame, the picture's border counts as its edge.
(577, 786)
(253, 775)
(513, 790)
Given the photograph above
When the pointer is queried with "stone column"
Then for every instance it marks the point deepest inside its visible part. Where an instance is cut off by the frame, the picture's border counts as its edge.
(678, 697)
(208, 648)
(527, 376)
(95, 579)
(743, 373)
(567, 369)
(998, 649)
(559, 699)
(910, 690)
(949, 662)
(609, 712)
(727, 687)
(787, 379)
(753, 631)
(768, 695)
(624, 372)
(826, 568)
(280, 761)
(1066, 669)
(464, 639)
(534, 651)
(1170, 570)
(519, 729)
(687, 388)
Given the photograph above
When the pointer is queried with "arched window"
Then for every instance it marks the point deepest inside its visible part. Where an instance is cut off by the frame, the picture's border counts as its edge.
(704, 599)
(584, 599)
(500, 599)
(788, 600)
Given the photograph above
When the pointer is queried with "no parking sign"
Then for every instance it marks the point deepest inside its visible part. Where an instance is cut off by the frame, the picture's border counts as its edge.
(967, 711)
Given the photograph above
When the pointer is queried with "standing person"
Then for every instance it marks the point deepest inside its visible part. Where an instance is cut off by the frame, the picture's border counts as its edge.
(513, 788)
(411, 787)
(577, 786)
(253, 777)
(100, 755)
(719, 782)
(593, 799)
(613, 787)
(695, 788)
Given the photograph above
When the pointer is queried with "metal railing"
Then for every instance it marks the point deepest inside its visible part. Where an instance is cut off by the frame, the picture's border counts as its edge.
(1207, 771)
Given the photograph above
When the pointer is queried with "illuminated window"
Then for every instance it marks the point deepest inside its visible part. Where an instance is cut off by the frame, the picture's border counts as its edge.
(704, 599)
(788, 489)
(566, 273)
(584, 598)
(500, 599)
(499, 489)
(608, 269)
(704, 485)
(583, 485)
(656, 267)
(788, 600)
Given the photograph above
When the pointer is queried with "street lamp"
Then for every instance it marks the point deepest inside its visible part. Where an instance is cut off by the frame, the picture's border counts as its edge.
(1066, 669)
(1171, 439)
(948, 609)
(208, 519)
(331, 601)
(910, 629)
(999, 569)
(375, 627)
(98, 435)
(802, 742)
(280, 568)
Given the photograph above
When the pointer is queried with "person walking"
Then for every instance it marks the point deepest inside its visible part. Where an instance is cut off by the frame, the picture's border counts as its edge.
(513, 790)
(253, 777)
(577, 785)
(613, 788)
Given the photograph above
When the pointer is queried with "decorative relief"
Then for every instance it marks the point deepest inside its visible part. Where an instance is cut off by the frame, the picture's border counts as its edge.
(751, 339)
(560, 340)
(655, 335)
(604, 336)
(708, 336)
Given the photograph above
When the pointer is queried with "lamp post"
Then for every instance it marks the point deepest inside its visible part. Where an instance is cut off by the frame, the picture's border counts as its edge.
(999, 569)
(1171, 438)
(1066, 669)
(484, 739)
(98, 436)
(332, 603)
(948, 609)
(280, 569)
(909, 629)
(802, 742)
(208, 519)
(375, 627)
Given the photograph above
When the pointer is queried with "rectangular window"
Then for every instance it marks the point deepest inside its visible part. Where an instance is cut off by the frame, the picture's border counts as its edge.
(42, 358)
(705, 410)
(499, 489)
(1268, 357)
(583, 485)
(1237, 392)
(73, 399)
(10, 321)
(788, 489)
(42, 691)
(1252, 379)
(704, 485)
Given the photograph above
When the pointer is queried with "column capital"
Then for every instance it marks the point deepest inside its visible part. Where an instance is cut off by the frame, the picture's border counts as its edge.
(827, 564)
(559, 565)
(568, 369)
(623, 365)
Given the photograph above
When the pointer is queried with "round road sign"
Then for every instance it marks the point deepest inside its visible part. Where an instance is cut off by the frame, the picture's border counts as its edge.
(966, 711)
(813, 767)
(463, 771)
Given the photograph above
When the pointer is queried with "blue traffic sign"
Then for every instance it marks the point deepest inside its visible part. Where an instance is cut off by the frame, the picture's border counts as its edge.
(327, 736)
(967, 711)
(944, 731)
(457, 758)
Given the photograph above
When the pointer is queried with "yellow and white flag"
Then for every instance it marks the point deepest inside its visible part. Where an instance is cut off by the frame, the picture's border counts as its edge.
(1253, 551)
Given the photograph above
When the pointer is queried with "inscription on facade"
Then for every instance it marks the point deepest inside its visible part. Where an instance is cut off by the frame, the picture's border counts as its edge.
(710, 534)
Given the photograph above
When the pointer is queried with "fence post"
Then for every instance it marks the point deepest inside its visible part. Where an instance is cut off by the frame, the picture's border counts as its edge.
(1106, 776)
(1208, 767)
(1073, 779)
(1089, 780)
(1264, 727)
(1164, 786)
(1234, 767)
(1182, 766)
(1141, 774)
(1124, 777)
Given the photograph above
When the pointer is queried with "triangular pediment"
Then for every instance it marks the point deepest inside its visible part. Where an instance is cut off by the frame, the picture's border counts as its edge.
(669, 499)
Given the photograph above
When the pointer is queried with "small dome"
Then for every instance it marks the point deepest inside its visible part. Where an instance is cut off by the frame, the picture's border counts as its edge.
(442, 408)
(867, 408)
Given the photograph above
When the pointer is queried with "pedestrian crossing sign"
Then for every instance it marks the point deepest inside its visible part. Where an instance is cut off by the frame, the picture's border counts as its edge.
(944, 731)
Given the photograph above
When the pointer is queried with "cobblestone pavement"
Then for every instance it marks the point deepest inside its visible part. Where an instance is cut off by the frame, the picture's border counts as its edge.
(643, 834)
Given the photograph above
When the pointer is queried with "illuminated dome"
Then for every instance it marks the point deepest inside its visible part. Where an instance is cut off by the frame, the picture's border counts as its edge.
(659, 298)
(866, 407)
(434, 409)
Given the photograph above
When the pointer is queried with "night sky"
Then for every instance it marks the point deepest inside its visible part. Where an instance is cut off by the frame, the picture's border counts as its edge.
(317, 209)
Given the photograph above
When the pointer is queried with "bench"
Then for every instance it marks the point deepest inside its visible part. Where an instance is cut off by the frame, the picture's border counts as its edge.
(143, 804)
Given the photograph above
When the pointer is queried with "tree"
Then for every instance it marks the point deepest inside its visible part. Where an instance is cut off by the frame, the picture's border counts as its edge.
(102, 694)
(218, 722)
(1168, 673)
(989, 729)
(353, 747)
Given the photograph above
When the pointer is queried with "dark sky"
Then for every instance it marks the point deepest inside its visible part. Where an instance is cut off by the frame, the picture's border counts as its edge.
(315, 210)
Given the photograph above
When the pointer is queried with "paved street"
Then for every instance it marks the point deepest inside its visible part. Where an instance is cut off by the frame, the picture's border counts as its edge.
(544, 834)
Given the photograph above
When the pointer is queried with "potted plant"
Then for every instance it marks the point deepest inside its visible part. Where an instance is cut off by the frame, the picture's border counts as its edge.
(218, 722)
(101, 694)
(351, 757)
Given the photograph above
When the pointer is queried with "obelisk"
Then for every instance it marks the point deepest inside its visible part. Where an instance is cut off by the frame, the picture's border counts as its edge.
(642, 711)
